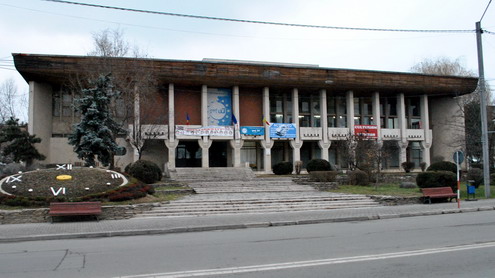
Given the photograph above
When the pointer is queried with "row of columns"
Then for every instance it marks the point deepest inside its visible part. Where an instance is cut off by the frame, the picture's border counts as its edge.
(296, 144)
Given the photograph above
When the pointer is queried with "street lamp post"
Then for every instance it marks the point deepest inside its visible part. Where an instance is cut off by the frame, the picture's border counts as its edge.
(484, 124)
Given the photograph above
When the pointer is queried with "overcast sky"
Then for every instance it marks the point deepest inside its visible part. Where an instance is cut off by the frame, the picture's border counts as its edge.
(40, 27)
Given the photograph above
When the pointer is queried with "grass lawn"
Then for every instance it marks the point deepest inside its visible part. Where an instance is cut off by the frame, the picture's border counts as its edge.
(395, 190)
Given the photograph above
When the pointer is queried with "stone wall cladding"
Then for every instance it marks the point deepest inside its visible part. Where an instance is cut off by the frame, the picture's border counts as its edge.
(41, 215)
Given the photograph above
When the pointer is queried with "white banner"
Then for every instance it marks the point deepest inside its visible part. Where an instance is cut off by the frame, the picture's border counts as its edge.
(205, 131)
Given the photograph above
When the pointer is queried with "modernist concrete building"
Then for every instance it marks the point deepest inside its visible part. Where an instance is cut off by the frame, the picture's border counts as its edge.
(215, 113)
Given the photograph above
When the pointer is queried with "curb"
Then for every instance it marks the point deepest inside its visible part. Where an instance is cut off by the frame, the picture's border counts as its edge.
(235, 226)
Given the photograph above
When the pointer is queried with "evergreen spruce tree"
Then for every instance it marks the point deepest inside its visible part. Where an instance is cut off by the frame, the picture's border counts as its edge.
(19, 144)
(93, 137)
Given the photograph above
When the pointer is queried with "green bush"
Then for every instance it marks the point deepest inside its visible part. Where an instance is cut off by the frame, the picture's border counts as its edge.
(134, 190)
(323, 176)
(358, 177)
(475, 174)
(437, 179)
(319, 165)
(145, 171)
(282, 168)
(407, 166)
(422, 165)
(443, 166)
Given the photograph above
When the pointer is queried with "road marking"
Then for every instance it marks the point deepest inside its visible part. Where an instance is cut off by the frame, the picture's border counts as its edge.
(311, 263)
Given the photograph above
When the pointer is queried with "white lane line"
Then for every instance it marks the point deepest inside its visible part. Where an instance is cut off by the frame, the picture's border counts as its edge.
(311, 263)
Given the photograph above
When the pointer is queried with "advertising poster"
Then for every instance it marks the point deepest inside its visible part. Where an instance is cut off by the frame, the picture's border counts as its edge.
(205, 131)
(219, 107)
(287, 130)
(253, 130)
(367, 131)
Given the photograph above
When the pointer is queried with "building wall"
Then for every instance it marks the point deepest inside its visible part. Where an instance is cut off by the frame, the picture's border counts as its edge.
(40, 115)
(187, 101)
(156, 108)
(447, 124)
(251, 107)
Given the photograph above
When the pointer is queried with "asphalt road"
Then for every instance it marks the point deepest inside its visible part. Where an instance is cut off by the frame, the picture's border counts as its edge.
(455, 245)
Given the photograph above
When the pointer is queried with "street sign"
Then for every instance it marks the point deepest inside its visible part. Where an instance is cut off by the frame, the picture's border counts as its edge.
(458, 157)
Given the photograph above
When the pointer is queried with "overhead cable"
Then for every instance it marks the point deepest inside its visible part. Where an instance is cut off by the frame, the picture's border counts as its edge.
(266, 22)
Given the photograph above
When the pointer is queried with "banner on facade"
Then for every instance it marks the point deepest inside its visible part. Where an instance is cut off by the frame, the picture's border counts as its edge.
(219, 107)
(287, 130)
(204, 131)
(253, 130)
(366, 131)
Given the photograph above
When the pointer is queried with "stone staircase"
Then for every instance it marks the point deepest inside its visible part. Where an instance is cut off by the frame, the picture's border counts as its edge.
(238, 190)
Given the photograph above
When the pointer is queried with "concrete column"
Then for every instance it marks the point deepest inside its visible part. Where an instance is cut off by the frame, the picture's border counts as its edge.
(136, 129)
(171, 147)
(350, 110)
(296, 144)
(401, 110)
(376, 113)
(205, 145)
(236, 152)
(171, 114)
(204, 105)
(403, 151)
(40, 116)
(324, 144)
(267, 144)
(236, 111)
(425, 124)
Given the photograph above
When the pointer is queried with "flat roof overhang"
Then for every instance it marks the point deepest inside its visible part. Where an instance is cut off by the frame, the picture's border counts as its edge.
(57, 69)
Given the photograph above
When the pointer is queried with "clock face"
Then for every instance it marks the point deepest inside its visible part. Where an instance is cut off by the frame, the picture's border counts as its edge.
(62, 181)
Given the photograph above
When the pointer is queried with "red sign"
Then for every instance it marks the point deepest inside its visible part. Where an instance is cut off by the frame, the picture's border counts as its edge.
(366, 131)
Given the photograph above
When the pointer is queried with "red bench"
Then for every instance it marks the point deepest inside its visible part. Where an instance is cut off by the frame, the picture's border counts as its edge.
(438, 192)
(75, 208)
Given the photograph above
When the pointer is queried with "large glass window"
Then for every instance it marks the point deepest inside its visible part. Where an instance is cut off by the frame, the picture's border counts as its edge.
(309, 110)
(388, 112)
(415, 153)
(413, 112)
(281, 108)
(363, 111)
(336, 111)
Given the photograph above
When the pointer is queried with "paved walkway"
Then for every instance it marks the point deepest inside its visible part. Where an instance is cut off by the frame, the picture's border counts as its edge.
(164, 225)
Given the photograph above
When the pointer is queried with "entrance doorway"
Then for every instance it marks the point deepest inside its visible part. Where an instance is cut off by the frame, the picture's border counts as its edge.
(188, 154)
(218, 154)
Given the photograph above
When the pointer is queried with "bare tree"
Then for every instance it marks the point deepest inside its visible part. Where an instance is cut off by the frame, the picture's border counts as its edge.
(133, 79)
(468, 116)
(442, 66)
(11, 101)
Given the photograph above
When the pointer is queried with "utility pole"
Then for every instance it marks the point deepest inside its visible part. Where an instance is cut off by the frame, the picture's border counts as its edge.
(484, 124)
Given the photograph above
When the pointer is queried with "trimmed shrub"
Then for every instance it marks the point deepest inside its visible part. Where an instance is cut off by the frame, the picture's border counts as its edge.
(323, 176)
(145, 171)
(407, 166)
(282, 168)
(423, 165)
(319, 165)
(443, 166)
(358, 177)
(437, 179)
(476, 175)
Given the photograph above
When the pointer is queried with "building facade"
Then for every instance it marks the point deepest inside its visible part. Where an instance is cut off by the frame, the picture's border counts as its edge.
(221, 113)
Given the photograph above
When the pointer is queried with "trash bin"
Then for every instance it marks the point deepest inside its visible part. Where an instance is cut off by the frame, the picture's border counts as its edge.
(470, 190)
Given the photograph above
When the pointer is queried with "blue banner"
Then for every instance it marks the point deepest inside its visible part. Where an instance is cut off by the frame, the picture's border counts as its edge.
(219, 107)
(253, 130)
(283, 130)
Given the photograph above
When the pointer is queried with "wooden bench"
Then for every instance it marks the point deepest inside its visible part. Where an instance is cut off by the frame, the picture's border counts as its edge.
(75, 208)
(437, 193)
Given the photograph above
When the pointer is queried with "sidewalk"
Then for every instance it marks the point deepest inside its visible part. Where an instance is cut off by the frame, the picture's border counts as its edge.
(165, 225)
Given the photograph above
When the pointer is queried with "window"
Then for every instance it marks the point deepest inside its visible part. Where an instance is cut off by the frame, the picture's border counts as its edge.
(363, 111)
(336, 111)
(309, 110)
(280, 108)
(388, 112)
(413, 112)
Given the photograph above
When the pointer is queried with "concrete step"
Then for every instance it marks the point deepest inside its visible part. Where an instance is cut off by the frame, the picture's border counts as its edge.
(253, 210)
(212, 174)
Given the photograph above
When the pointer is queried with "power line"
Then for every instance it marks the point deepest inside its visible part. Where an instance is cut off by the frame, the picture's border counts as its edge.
(264, 22)
(486, 9)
